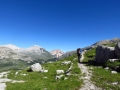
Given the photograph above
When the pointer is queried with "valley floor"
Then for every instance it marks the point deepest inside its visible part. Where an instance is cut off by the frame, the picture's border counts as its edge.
(86, 76)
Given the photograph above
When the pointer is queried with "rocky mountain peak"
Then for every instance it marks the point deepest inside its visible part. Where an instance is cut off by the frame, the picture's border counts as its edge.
(116, 38)
(13, 47)
(35, 48)
(12, 52)
(57, 52)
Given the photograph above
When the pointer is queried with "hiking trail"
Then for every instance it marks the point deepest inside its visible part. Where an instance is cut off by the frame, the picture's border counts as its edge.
(86, 75)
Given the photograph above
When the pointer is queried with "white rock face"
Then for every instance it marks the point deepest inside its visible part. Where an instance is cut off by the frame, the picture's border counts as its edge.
(16, 53)
(104, 53)
(13, 47)
(36, 67)
(35, 48)
(57, 53)
(6, 52)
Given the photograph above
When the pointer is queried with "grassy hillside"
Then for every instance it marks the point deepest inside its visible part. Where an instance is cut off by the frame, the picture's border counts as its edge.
(10, 64)
(101, 77)
(47, 81)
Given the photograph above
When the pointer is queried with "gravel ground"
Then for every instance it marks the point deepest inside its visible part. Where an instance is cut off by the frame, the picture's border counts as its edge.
(88, 85)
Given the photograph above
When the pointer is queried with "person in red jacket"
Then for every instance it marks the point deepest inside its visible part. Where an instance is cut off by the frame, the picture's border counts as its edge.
(79, 54)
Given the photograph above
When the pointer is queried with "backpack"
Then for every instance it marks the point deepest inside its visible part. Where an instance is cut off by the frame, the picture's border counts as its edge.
(78, 52)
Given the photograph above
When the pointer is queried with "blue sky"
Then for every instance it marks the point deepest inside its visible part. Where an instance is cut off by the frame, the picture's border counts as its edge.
(58, 24)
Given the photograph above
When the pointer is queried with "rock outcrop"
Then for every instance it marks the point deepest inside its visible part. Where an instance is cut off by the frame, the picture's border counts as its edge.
(36, 67)
(57, 53)
(117, 50)
(103, 53)
(103, 42)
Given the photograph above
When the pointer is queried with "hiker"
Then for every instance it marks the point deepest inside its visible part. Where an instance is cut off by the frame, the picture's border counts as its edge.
(79, 54)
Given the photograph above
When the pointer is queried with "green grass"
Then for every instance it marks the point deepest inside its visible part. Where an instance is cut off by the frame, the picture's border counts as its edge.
(101, 77)
(104, 79)
(110, 44)
(38, 81)
(112, 65)
(89, 55)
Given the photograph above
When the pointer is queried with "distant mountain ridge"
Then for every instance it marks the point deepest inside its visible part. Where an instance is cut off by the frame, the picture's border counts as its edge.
(29, 54)
(57, 53)
(102, 42)
(11, 55)
(13, 47)
(114, 40)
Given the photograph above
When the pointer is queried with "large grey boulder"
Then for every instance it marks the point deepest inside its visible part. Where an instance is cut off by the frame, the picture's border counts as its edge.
(36, 67)
(117, 50)
(103, 53)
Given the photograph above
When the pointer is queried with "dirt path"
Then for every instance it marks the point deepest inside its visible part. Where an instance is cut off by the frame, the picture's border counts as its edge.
(88, 85)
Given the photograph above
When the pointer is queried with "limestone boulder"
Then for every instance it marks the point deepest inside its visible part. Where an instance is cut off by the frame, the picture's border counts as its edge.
(36, 67)
(117, 50)
(66, 62)
(59, 77)
(113, 60)
(104, 53)
(45, 71)
(59, 71)
(113, 72)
